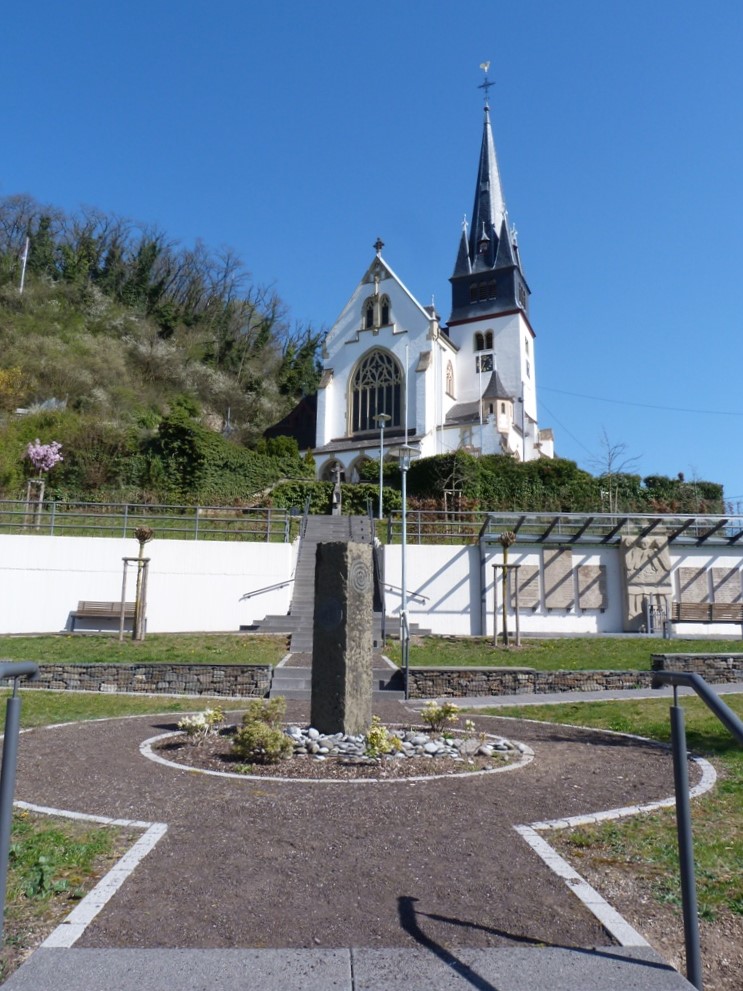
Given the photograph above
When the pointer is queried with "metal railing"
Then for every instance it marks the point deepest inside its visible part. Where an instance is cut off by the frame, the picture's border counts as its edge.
(436, 526)
(88, 519)
(267, 588)
(57, 517)
(683, 809)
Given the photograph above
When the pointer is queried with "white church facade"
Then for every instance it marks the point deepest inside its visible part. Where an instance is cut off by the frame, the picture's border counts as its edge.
(469, 384)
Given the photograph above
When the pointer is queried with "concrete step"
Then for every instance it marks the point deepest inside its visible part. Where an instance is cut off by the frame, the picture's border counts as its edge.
(296, 683)
(434, 967)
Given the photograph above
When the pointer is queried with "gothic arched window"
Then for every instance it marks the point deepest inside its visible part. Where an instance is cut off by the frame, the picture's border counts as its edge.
(450, 380)
(384, 311)
(369, 314)
(376, 387)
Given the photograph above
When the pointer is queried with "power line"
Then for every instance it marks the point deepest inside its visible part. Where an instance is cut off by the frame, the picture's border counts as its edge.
(624, 402)
(563, 427)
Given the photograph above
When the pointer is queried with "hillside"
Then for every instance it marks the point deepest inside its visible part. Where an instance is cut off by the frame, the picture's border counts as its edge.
(156, 367)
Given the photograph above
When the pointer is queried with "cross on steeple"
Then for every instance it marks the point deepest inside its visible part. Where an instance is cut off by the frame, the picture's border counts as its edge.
(486, 84)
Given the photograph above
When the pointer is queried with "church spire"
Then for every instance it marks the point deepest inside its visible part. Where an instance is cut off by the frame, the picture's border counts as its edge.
(489, 209)
(487, 275)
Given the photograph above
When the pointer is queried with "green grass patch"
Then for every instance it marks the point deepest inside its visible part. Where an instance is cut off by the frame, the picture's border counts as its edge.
(560, 654)
(53, 863)
(647, 845)
(158, 648)
(43, 708)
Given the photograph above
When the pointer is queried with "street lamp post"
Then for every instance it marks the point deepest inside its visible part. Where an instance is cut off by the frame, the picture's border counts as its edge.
(380, 419)
(405, 454)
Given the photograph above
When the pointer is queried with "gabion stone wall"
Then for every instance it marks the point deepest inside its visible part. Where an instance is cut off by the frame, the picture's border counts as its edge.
(233, 680)
(714, 668)
(462, 682)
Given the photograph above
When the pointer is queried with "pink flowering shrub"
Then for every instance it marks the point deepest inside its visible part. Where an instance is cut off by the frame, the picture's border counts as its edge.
(44, 456)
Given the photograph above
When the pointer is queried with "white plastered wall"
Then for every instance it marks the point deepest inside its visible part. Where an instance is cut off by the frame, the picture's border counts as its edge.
(193, 585)
(198, 585)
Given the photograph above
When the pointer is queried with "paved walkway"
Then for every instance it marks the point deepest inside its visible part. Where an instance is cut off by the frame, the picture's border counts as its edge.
(259, 884)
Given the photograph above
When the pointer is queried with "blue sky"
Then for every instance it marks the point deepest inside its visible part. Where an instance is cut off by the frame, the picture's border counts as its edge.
(297, 133)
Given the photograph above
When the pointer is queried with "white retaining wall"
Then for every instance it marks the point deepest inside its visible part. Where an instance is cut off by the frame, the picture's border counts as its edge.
(449, 577)
(193, 584)
(198, 585)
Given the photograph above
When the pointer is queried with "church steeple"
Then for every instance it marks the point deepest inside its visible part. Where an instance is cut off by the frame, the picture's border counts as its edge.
(489, 209)
(487, 277)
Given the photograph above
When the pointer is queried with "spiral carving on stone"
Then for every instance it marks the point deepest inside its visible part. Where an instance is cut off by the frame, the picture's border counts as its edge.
(360, 576)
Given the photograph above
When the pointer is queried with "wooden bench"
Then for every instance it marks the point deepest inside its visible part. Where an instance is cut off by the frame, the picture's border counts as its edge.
(100, 610)
(707, 612)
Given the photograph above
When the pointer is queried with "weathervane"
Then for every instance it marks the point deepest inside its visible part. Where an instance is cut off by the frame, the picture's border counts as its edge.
(486, 84)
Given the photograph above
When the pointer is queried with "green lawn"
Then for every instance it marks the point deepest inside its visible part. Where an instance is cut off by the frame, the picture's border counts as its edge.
(158, 648)
(646, 845)
(43, 708)
(561, 654)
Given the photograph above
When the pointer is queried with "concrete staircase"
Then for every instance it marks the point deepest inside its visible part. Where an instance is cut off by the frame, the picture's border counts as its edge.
(322, 529)
(293, 677)
(296, 683)
(293, 680)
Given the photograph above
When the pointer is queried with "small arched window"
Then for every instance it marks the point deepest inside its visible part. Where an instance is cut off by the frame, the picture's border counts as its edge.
(369, 314)
(384, 311)
(484, 342)
(450, 380)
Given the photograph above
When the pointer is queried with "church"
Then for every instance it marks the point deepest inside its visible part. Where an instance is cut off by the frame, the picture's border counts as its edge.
(392, 371)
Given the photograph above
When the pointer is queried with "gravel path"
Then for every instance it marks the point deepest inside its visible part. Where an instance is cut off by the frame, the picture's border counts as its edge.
(268, 864)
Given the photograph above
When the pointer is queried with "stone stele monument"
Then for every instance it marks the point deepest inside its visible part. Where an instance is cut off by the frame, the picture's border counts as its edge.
(646, 573)
(342, 645)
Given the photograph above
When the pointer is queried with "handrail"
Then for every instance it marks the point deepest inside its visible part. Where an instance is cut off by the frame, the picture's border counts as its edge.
(15, 670)
(19, 669)
(378, 576)
(411, 595)
(268, 588)
(687, 679)
(405, 644)
(305, 514)
(119, 519)
(730, 720)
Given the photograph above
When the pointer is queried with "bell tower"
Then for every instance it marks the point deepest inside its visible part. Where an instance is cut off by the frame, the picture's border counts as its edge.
(489, 319)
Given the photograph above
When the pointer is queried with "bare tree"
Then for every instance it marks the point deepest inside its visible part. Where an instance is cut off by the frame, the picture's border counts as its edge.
(612, 461)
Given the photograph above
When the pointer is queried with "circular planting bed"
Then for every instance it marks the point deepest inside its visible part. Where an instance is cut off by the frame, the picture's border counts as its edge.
(386, 753)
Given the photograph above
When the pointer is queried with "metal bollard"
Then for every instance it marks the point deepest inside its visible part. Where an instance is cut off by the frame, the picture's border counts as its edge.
(16, 671)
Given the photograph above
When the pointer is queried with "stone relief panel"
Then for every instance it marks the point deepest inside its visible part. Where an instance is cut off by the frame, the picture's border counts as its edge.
(726, 585)
(646, 578)
(592, 587)
(559, 591)
(693, 585)
(528, 579)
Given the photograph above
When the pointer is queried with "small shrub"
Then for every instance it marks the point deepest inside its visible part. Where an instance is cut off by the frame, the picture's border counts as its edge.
(437, 717)
(379, 740)
(201, 725)
(261, 740)
(269, 711)
(259, 743)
